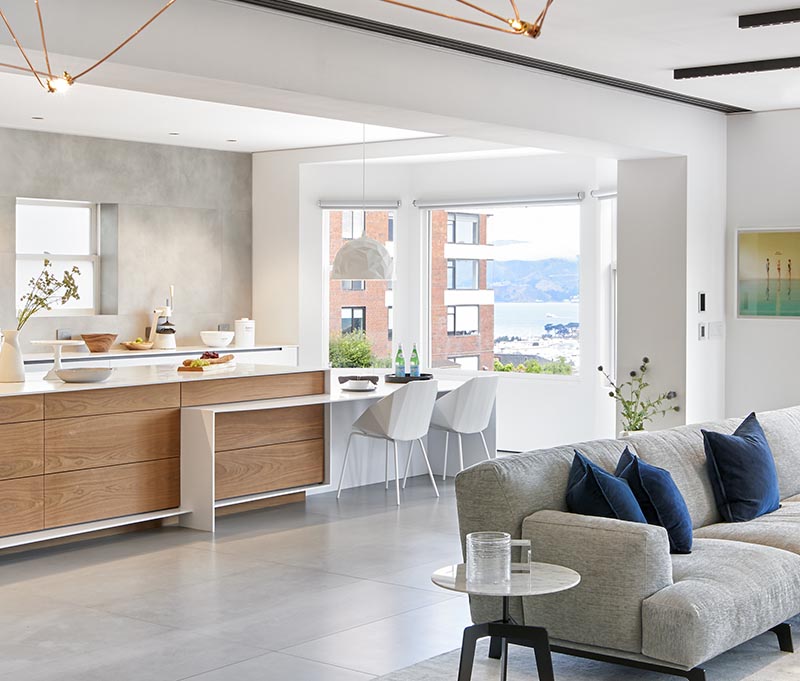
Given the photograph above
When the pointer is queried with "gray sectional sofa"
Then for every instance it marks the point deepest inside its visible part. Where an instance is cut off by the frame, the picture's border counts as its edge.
(637, 603)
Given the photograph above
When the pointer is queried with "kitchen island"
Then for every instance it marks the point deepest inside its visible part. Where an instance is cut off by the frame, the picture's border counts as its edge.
(77, 458)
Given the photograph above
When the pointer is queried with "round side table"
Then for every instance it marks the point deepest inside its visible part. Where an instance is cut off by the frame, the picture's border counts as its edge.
(56, 345)
(542, 579)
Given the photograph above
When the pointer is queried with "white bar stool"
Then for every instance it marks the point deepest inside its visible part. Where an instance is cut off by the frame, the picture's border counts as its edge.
(403, 416)
(466, 411)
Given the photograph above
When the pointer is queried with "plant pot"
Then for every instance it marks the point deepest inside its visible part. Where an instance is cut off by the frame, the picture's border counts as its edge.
(12, 366)
(624, 434)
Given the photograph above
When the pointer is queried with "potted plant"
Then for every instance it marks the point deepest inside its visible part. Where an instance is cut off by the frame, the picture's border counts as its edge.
(636, 408)
(44, 291)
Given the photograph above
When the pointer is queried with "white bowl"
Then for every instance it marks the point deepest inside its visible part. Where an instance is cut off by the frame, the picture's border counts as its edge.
(359, 385)
(84, 374)
(217, 339)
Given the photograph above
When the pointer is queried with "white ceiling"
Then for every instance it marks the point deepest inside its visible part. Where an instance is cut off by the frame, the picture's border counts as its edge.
(638, 40)
(96, 111)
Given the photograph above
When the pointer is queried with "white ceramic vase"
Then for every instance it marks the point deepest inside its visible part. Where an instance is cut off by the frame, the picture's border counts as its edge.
(12, 366)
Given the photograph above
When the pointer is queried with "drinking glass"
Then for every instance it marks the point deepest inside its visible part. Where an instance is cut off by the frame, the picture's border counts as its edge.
(489, 558)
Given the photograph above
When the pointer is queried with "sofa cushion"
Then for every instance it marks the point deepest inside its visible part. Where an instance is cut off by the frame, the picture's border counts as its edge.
(742, 471)
(594, 492)
(659, 498)
(780, 529)
(680, 451)
(782, 428)
(724, 594)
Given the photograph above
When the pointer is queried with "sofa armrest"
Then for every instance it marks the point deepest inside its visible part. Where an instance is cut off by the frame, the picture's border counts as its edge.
(621, 564)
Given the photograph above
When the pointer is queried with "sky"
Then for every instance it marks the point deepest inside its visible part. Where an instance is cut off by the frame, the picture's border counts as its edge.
(544, 232)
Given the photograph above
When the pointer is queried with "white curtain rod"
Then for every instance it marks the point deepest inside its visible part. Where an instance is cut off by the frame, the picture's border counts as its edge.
(601, 194)
(562, 199)
(357, 204)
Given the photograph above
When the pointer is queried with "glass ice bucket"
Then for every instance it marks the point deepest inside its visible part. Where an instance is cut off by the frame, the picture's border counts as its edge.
(489, 558)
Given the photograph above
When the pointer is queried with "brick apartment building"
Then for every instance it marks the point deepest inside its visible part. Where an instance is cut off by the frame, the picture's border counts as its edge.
(462, 305)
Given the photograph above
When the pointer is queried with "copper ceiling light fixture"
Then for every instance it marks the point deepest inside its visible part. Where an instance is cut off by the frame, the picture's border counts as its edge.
(515, 25)
(50, 81)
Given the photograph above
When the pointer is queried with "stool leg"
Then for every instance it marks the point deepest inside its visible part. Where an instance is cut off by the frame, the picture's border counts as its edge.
(428, 464)
(446, 445)
(408, 463)
(485, 446)
(460, 452)
(396, 472)
(344, 465)
(386, 466)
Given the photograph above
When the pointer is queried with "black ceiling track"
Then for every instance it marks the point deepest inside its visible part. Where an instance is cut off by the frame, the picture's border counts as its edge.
(738, 67)
(783, 16)
(352, 21)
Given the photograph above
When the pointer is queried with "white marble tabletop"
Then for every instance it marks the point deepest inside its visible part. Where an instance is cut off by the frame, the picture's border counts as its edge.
(543, 578)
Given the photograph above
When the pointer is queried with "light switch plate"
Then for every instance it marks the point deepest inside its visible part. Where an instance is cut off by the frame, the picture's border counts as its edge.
(701, 301)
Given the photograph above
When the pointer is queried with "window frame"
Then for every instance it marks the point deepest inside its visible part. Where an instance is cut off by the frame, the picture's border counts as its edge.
(476, 229)
(351, 308)
(347, 285)
(454, 314)
(454, 268)
(93, 257)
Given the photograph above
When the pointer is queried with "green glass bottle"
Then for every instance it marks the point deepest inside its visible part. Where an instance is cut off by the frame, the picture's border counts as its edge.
(414, 361)
(399, 362)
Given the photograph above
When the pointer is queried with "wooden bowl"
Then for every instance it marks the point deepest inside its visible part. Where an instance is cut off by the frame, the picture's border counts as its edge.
(99, 342)
(131, 345)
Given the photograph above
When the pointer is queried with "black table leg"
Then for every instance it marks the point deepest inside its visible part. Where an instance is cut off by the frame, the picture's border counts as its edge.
(471, 636)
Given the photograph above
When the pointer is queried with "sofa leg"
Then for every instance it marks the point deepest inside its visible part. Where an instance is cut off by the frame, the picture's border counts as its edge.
(495, 647)
(784, 634)
(696, 674)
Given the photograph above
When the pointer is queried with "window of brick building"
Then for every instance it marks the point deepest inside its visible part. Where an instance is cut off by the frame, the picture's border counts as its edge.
(462, 274)
(352, 223)
(463, 228)
(353, 285)
(462, 320)
(354, 319)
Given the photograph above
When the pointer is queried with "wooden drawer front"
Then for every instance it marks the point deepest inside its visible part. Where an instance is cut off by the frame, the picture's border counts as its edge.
(98, 493)
(237, 430)
(111, 401)
(93, 441)
(21, 450)
(265, 469)
(21, 505)
(222, 390)
(21, 408)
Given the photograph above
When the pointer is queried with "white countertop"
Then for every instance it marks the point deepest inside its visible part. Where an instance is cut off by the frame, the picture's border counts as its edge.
(127, 377)
(70, 354)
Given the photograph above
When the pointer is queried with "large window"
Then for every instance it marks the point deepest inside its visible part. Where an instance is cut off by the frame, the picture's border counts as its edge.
(66, 233)
(505, 289)
(462, 274)
(354, 319)
(360, 312)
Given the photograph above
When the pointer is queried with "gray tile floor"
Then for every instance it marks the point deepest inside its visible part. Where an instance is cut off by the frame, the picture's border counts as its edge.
(320, 591)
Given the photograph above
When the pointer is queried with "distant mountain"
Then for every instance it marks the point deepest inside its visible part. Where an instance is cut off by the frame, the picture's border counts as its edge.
(552, 280)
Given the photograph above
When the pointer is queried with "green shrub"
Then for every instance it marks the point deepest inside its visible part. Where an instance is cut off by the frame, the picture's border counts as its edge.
(352, 350)
(532, 366)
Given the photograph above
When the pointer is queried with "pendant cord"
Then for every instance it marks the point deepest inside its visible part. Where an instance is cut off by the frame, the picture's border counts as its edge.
(364, 178)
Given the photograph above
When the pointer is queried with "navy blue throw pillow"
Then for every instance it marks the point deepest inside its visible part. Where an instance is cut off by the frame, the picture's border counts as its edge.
(593, 491)
(742, 472)
(659, 498)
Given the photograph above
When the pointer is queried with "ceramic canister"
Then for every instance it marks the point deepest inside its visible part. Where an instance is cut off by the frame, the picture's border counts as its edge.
(245, 333)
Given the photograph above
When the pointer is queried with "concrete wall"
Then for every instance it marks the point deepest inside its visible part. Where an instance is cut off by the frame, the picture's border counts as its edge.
(184, 218)
(763, 361)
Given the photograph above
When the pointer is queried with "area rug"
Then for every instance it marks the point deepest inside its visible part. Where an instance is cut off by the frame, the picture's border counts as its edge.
(757, 660)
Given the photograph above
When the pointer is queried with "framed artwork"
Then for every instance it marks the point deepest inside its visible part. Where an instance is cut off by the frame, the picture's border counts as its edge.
(768, 272)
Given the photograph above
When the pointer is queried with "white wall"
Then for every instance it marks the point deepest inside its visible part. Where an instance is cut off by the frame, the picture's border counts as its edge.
(532, 411)
(763, 171)
(651, 275)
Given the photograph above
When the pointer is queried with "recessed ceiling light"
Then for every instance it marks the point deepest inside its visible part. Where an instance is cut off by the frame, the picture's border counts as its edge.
(37, 118)
(174, 134)
(231, 140)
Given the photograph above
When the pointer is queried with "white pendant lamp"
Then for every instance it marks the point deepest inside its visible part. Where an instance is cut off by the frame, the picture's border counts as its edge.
(363, 258)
